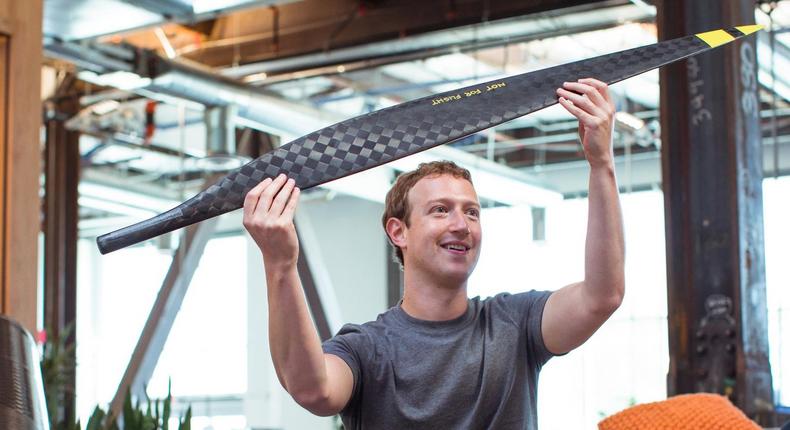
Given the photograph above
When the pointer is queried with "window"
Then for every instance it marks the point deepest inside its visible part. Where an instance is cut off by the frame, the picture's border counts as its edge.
(776, 210)
(205, 354)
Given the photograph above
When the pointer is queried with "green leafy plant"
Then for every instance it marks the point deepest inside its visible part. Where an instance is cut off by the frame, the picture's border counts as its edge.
(57, 366)
(155, 415)
(57, 370)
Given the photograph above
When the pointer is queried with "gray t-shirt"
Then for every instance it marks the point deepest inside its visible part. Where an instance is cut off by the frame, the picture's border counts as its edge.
(478, 371)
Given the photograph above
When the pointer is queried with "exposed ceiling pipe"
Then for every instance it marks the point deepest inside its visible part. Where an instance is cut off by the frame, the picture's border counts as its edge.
(495, 181)
(471, 37)
(167, 8)
(69, 20)
(151, 74)
(220, 130)
(221, 149)
(262, 111)
(291, 120)
(86, 58)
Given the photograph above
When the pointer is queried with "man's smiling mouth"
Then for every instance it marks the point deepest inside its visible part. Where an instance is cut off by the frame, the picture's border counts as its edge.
(458, 248)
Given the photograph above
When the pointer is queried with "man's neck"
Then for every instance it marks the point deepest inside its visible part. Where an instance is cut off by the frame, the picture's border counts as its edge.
(433, 302)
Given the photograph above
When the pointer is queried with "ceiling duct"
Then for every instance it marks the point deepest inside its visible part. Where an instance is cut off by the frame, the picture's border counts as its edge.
(221, 154)
(291, 120)
(441, 42)
(252, 106)
(147, 73)
(220, 130)
(168, 9)
(73, 20)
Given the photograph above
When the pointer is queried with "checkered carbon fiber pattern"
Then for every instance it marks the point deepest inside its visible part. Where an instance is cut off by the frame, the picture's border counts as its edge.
(376, 138)
(19, 390)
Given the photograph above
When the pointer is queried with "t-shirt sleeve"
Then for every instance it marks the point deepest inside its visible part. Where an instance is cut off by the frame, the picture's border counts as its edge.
(350, 344)
(527, 309)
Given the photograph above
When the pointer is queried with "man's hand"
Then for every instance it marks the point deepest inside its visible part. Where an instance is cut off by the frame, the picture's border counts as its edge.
(268, 217)
(590, 102)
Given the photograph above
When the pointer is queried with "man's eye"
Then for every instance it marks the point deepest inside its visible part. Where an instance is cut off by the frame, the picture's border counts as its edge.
(440, 209)
(474, 213)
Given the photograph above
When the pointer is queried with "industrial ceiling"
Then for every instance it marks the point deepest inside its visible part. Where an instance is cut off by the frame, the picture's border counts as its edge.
(173, 89)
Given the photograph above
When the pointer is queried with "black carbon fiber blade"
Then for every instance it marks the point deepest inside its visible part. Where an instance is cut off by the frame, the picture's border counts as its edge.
(376, 138)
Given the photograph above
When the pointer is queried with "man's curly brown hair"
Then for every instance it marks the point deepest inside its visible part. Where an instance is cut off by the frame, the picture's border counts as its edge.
(396, 205)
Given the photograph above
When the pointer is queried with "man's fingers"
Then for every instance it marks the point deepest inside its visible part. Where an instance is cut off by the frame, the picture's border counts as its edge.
(265, 201)
(581, 102)
(592, 93)
(600, 85)
(575, 111)
(281, 199)
(251, 199)
(293, 201)
(602, 88)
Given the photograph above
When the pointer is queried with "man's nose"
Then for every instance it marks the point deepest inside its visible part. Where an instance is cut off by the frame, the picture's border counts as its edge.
(459, 223)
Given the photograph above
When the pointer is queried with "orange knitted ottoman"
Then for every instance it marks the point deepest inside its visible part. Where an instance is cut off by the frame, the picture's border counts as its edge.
(687, 411)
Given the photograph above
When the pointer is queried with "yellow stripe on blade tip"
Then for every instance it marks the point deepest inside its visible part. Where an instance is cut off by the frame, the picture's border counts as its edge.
(715, 38)
(749, 29)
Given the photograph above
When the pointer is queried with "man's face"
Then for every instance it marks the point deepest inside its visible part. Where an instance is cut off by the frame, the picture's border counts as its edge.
(443, 238)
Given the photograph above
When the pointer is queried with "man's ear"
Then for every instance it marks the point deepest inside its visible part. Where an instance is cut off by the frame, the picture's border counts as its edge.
(396, 230)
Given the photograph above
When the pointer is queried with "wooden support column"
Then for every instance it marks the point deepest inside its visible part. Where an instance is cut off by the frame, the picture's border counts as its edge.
(712, 181)
(61, 217)
(20, 121)
(4, 293)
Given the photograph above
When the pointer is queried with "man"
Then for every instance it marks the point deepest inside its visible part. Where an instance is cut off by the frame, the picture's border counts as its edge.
(439, 360)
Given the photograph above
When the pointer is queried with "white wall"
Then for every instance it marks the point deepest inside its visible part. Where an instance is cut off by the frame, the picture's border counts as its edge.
(355, 252)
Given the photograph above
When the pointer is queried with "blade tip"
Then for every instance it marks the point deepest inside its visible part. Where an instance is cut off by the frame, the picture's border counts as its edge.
(101, 244)
(749, 29)
(715, 38)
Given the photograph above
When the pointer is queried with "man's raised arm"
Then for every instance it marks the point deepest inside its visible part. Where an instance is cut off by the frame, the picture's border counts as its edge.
(321, 383)
(573, 313)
